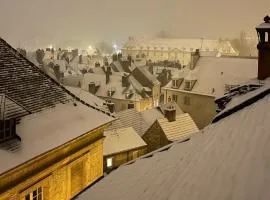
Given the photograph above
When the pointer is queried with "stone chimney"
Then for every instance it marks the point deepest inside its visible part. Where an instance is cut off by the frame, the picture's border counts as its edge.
(125, 82)
(92, 87)
(111, 106)
(263, 46)
(194, 59)
(108, 72)
(170, 113)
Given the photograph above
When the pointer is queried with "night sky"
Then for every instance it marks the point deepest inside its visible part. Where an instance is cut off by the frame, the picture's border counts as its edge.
(79, 23)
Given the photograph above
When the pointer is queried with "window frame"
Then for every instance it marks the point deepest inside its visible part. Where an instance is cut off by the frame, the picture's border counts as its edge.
(38, 196)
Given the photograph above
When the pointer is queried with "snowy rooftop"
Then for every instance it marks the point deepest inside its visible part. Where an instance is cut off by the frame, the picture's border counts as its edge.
(183, 127)
(130, 118)
(46, 130)
(88, 97)
(226, 160)
(114, 85)
(213, 73)
(121, 140)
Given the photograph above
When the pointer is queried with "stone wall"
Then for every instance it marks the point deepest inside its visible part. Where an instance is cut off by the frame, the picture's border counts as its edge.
(201, 108)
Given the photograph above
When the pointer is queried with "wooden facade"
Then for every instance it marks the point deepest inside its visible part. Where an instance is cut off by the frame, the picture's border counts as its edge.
(59, 174)
(120, 158)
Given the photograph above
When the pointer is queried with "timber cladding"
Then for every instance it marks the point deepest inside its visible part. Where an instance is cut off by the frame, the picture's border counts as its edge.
(55, 170)
(123, 157)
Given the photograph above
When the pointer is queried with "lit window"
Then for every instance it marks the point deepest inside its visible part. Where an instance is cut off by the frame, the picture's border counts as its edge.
(109, 162)
(35, 195)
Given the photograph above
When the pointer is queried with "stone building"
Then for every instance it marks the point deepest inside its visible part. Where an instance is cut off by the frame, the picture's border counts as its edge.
(175, 49)
(51, 147)
(195, 89)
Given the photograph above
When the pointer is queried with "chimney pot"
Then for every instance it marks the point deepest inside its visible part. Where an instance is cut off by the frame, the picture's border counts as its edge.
(170, 113)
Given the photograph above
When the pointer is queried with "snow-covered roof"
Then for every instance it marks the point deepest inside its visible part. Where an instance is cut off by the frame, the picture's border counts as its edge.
(88, 97)
(183, 127)
(115, 84)
(46, 130)
(214, 73)
(121, 140)
(130, 118)
(226, 160)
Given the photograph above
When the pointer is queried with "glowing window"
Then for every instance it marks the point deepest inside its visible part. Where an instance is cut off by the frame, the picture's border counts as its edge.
(109, 162)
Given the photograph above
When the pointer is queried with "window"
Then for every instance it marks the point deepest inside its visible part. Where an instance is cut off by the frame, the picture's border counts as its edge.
(35, 195)
(266, 37)
(174, 97)
(174, 83)
(109, 162)
(187, 85)
(187, 100)
(130, 105)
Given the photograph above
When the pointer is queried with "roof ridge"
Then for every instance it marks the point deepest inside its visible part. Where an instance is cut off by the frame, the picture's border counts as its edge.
(242, 105)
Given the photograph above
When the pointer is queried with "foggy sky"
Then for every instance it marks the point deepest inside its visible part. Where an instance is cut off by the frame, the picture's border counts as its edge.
(34, 23)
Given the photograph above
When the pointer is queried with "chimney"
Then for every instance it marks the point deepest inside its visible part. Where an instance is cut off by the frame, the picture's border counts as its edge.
(125, 82)
(263, 31)
(170, 113)
(111, 106)
(108, 72)
(194, 59)
(92, 87)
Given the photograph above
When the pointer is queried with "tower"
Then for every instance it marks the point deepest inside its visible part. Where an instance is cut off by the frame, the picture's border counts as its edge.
(263, 31)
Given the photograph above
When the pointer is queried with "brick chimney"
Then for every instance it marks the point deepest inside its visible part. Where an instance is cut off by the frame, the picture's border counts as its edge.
(263, 31)
(92, 87)
(170, 113)
(111, 106)
(108, 72)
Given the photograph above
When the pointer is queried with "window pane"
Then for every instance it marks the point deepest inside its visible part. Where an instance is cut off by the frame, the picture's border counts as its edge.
(109, 162)
(35, 193)
(40, 196)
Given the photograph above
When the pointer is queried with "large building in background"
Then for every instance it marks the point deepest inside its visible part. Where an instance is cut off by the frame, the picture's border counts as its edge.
(175, 49)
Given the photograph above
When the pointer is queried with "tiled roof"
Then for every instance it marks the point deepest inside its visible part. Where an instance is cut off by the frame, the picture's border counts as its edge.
(183, 127)
(130, 118)
(121, 140)
(25, 83)
(226, 160)
(10, 109)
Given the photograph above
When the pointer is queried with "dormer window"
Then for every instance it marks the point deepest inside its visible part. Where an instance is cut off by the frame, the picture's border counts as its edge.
(174, 83)
(110, 92)
(187, 85)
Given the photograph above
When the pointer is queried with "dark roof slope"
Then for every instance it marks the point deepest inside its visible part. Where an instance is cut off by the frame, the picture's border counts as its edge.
(25, 83)
(144, 76)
